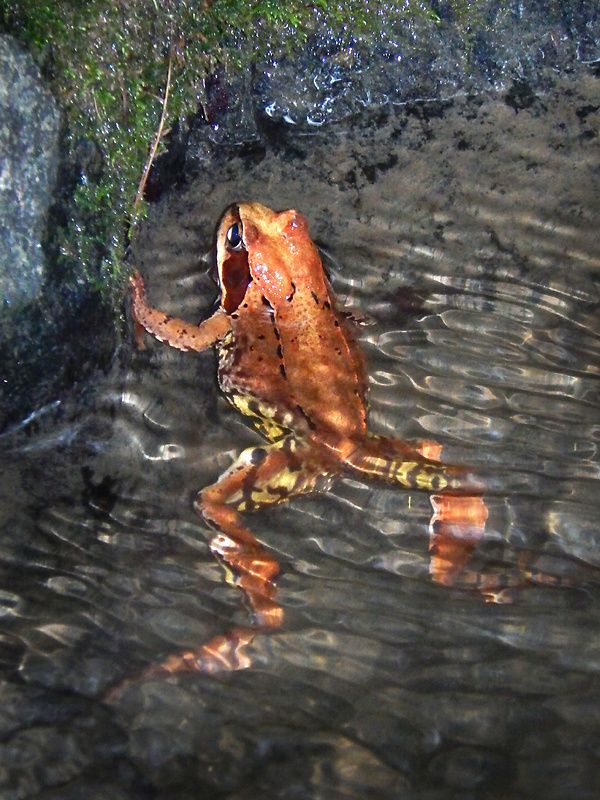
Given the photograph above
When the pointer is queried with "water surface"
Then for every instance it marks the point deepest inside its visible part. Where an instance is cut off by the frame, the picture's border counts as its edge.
(466, 235)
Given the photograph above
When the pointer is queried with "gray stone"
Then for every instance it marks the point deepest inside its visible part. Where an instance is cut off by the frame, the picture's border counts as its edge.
(29, 124)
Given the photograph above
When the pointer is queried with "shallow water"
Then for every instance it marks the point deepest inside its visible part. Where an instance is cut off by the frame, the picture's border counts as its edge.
(467, 235)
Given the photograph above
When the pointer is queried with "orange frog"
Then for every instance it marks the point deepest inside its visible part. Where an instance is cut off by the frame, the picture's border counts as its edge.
(289, 361)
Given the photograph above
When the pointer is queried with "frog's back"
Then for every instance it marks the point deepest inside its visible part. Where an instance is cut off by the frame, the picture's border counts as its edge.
(324, 366)
(295, 375)
(290, 357)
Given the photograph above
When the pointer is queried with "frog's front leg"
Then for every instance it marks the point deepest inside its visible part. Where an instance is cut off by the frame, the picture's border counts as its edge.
(171, 330)
(261, 476)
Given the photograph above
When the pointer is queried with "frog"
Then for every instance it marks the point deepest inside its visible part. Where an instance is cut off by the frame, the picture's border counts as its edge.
(290, 362)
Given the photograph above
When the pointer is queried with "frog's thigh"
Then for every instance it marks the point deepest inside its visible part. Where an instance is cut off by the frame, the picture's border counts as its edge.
(394, 461)
(263, 476)
(260, 476)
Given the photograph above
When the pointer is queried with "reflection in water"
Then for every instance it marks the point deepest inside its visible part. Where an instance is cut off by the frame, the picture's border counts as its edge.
(389, 675)
(457, 525)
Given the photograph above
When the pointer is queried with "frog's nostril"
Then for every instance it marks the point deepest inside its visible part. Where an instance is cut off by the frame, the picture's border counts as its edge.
(294, 222)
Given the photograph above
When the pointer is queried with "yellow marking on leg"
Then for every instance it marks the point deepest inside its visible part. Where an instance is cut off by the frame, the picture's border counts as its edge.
(412, 474)
(402, 472)
(262, 415)
(230, 576)
(271, 492)
(432, 482)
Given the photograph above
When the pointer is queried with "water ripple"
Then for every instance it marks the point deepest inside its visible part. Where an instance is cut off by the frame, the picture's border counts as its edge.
(473, 255)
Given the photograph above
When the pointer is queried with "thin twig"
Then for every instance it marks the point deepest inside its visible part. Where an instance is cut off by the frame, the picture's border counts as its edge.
(152, 154)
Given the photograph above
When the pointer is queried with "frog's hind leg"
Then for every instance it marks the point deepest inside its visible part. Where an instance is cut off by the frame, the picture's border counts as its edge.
(460, 513)
(261, 476)
(412, 466)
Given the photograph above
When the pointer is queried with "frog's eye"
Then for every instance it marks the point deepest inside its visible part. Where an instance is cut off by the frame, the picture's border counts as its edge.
(234, 237)
(234, 271)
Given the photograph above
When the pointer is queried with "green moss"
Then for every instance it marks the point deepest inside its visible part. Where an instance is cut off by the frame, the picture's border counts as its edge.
(107, 61)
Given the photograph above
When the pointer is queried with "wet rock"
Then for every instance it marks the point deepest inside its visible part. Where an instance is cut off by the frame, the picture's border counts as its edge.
(38, 758)
(55, 325)
(514, 47)
(29, 123)
(469, 768)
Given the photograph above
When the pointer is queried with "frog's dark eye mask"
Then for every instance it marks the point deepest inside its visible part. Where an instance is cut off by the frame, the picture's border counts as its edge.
(234, 272)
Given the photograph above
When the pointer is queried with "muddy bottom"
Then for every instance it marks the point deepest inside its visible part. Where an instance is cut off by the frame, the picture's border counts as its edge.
(466, 236)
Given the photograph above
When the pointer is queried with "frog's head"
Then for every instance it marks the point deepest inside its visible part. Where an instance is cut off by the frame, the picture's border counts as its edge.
(270, 250)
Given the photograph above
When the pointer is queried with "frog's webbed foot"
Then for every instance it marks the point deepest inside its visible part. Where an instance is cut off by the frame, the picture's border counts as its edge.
(456, 527)
(460, 513)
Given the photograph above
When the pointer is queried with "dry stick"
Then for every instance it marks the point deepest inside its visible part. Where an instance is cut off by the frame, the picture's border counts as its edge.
(157, 138)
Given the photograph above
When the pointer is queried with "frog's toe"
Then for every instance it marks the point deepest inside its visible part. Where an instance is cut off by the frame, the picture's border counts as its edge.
(137, 284)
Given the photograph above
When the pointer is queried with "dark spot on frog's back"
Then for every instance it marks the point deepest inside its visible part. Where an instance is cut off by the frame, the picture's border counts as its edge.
(308, 420)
